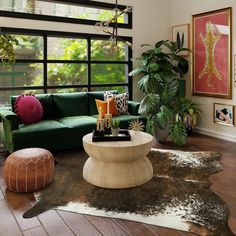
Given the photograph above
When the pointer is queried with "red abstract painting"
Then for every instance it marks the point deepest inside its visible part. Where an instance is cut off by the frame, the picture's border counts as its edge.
(212, 54)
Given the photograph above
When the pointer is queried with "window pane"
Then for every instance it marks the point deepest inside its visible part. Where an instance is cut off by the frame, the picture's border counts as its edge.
(67, 74)
(30, 47)
(59, 9)
(108, 73)
(21, 74)
(67, 49)
(120, 89)
(67, 90)
(4, 95)
(103, 50)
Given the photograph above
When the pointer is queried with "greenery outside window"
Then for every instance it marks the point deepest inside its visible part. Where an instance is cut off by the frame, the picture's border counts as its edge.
(61, 62)
(80, 11)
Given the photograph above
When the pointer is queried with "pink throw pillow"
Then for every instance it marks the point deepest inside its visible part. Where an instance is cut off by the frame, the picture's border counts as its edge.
(29, 109)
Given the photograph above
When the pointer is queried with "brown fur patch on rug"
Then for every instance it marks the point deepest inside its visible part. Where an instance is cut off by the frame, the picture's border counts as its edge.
(177, 197)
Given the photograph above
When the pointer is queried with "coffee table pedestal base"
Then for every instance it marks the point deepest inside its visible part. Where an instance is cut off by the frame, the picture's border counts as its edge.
(118, 175)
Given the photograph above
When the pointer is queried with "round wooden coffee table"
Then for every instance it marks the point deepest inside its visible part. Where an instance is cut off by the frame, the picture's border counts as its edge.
(118, 164)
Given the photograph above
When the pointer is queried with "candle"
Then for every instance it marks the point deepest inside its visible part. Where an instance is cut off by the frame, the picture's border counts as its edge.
(108, 118)
(100, 113)
(100, 124)
(108, 107)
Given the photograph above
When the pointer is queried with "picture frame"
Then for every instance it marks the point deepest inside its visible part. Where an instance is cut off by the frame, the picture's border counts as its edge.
(182, 33)
(235, 70)
(224, 114)
(212, 54)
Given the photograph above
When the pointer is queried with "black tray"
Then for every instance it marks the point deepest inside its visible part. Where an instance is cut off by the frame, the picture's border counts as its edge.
(124, 135)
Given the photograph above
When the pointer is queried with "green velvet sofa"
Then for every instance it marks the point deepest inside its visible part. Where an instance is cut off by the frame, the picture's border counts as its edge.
(67, 118)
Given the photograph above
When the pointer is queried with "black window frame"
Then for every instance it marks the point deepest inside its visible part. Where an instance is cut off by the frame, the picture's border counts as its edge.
(85, 3)
(45, 34)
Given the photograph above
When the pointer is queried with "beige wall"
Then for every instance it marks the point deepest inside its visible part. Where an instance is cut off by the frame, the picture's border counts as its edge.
(151, 24)
(181, 13)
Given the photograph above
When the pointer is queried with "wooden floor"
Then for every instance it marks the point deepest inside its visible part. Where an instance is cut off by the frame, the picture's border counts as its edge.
(58, 223)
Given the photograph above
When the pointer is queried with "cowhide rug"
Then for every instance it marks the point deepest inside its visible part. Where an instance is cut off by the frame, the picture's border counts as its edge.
(177, 197)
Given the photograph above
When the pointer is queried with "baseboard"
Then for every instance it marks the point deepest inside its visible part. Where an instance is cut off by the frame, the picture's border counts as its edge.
(215, 134)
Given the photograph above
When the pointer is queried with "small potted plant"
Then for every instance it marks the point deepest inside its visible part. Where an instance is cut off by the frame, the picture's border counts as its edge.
(115, 126)
(191, 112)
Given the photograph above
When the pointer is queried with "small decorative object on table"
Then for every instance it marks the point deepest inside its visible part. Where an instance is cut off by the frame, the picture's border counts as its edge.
(111, 131)
(123, 135)
(115, 126)
(108, 118)
(136, 125)
(100, 120)
(100, 124)
(103, 124)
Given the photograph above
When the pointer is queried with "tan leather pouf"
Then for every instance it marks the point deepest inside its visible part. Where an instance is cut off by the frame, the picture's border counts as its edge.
(28, 170)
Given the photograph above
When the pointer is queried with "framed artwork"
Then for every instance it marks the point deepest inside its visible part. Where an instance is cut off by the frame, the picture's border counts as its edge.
(224, 114)
(181, 35)
(235, 70)
(212, 48)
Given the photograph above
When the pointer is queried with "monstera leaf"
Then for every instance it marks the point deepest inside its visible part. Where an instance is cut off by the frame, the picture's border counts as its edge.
(178, 133)
(149, 104)
(162, 118)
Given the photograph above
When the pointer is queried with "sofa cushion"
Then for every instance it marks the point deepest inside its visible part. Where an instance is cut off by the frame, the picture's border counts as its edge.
(78, 127)
(48, 134)
(109, 94)
(91, 98)
(122, 103)
(102, 106)
(92, 104)
(70, 104)
(46, 101)
(78, 121)
(133, 108)
(28, 108)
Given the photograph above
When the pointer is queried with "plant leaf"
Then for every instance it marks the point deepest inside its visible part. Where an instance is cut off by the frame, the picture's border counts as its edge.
(162, 118)
(135, 71)
(149, 104)
(145, 44)
(178, 133)
(160, 43)
(143, 83)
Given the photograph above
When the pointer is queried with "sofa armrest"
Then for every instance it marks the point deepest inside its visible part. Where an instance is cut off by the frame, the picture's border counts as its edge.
(133, 107)
(9, 117)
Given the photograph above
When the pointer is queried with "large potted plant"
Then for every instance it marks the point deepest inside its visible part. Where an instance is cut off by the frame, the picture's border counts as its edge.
(161, 67)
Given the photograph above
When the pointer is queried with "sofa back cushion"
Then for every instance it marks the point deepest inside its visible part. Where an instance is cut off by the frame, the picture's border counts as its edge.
(92, 103)
(70, 104)
(29, 109)
(46, 101)
(96, 95)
